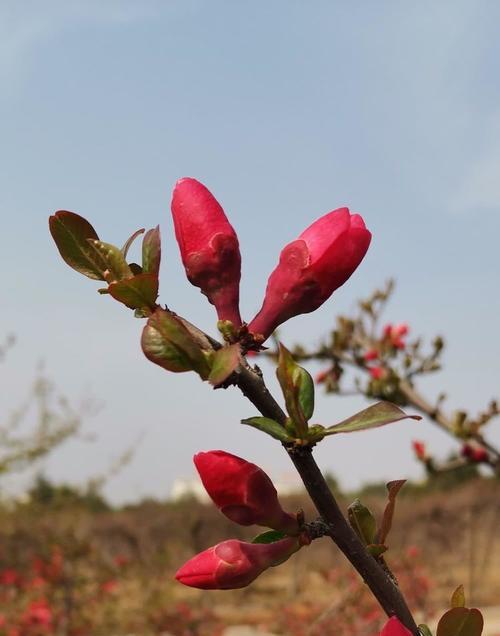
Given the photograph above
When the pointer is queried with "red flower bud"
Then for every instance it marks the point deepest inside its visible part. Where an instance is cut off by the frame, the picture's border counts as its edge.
(419, 448)
(474, 453)
(312, 268)
(243, 492)
(321, 376)
(377, 373)
(371, 354)
(394, 627)
(209, 247)
(395, 334)
(38, 613)
(467, 451)
(480, 455)
(413, 551)
(233, 564)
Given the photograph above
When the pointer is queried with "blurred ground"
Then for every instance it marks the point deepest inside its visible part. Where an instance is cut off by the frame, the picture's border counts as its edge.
(77, 568)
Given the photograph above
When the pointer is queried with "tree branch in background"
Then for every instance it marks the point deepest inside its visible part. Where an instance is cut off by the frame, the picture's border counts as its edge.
(387, 365)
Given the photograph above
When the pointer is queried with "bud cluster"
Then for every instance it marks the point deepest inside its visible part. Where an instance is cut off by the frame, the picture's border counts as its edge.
(245, 494)
(310, 268)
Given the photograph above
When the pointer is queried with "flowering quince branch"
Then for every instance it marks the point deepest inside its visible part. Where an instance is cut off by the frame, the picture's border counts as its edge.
(391, 363)
(309, 271)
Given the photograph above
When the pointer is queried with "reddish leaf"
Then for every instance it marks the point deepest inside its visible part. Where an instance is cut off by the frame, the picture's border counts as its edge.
(224, 362)
(71, 233)
(168, 342)
(460, 621)
(130, 240)
(393, 487)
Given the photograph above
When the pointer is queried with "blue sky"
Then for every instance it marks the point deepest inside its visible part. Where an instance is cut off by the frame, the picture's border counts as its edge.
(285, 110)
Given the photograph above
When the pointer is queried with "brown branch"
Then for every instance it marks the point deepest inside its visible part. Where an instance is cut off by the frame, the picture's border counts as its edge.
(439, 418)
(383, 588)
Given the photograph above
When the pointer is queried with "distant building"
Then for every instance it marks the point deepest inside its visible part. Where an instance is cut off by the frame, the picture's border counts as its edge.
(188, 489)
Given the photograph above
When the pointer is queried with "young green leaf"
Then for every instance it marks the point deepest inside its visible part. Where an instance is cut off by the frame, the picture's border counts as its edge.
(315, 433)
(270, 536)
(130, 240)
(460, 621)
(71, 233)
(376, 549)
(376, 415)
(458, 597)
(272, 428)
(151, 251)
(139, 292)
(298, 390)
(116, 265)
(224, 362)
(362, 521)
(424, 630)
(167, 341)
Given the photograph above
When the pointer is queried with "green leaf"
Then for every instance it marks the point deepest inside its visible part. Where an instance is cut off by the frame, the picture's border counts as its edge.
(71, 232)
(130, 240)
(424, 630)
(151, 251)
(139, 292)
(458, 597)
(306, 392)
(224, 362)
(168, 342)
(376, 415)
(116, 265)
(298, 390)
(460, 621)
(227, 330)
(315, 433)
(362, 521)
(376, 549)
(270, 536)
(393, 487)
(272, 428)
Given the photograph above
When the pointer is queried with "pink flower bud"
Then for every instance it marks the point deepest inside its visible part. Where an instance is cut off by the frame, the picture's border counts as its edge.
(394, 627)
(233, 564)
(209, 247)
(243, 492)
(312, 268)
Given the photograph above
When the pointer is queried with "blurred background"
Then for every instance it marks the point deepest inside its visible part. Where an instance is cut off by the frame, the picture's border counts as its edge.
(285, 110)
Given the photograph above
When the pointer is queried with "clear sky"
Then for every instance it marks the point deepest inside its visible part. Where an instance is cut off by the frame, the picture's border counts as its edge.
(285, 110)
